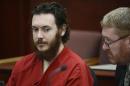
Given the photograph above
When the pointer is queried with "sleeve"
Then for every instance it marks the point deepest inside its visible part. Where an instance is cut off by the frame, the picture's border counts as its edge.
(80, 76)
(13, 77)
(11, 81)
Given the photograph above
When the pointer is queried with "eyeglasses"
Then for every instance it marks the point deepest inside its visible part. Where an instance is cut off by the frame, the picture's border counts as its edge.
(107, 41)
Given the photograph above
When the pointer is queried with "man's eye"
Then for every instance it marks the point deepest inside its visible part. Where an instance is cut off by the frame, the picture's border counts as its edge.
(107, 40)
(35, 29)
(47, 29)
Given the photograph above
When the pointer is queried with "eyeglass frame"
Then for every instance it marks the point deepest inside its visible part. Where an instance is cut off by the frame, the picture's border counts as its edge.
(108, 44)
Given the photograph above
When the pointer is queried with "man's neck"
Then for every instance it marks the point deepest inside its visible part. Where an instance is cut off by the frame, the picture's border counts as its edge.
(61, 47)
(46, 65)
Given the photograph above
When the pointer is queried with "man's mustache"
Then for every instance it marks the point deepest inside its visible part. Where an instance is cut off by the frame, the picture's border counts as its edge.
(39, 41)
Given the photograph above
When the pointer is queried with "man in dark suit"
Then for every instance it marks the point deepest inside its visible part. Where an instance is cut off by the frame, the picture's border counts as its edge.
(116, 37)
(51, 63)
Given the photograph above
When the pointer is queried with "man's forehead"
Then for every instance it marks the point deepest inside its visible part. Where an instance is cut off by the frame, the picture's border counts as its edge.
(43, 19)
(110, 33)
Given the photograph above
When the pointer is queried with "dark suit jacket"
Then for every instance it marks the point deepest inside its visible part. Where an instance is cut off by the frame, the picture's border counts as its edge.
(120, 74)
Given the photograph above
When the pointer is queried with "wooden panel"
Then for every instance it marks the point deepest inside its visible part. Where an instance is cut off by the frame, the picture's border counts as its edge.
(15, 20)
(87, 14)
(105, 77)
(15, 28)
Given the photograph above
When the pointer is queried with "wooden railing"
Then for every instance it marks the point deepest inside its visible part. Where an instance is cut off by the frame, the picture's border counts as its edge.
(6, 66)
(9, 62)
(92, 61)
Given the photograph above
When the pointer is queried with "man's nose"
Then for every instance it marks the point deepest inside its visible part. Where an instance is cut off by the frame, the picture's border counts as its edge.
(40, 34)
(105, 47)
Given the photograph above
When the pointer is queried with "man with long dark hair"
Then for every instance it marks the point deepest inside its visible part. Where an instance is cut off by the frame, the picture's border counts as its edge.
(51, 64)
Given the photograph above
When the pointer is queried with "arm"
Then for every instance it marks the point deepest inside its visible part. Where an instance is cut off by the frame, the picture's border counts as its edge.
(11, 81)
(80, 76)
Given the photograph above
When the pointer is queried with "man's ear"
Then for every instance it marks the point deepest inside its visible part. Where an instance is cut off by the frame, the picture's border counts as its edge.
(63, 29)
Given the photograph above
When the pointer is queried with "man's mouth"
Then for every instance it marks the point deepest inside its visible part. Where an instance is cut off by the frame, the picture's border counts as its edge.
(110, 56)
(42, 44)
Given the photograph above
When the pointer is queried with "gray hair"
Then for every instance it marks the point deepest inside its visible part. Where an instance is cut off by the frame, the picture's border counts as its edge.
(118, 18)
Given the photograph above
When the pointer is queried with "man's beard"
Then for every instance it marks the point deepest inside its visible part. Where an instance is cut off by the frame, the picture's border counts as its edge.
(51, 52)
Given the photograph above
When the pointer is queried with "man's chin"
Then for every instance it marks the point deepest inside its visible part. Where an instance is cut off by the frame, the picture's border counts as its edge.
(42, 49)
(114, 61)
